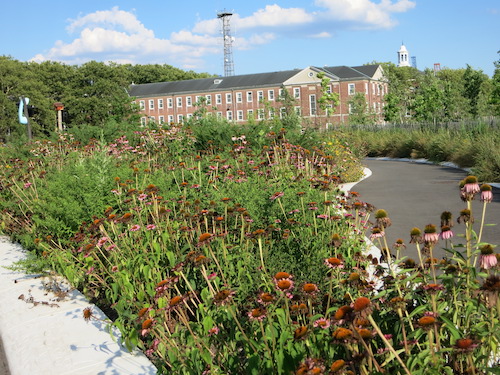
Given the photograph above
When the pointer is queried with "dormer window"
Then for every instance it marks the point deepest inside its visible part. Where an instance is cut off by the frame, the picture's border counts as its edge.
(217, 81)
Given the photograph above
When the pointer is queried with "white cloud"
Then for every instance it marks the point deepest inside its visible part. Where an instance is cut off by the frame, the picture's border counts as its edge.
(365, 13)
(117, 35)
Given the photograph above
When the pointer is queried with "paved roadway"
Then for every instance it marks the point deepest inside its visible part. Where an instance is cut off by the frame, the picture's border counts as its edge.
(415, 194)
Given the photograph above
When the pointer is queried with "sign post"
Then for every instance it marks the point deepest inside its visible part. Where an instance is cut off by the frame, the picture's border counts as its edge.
(24, 117)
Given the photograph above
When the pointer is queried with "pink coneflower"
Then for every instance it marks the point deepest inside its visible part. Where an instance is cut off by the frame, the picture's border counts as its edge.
(322, 216)
(486, 193)
(276, 195)
(488, 258)
(446, 232)
(142, 197)
(150, 227)
(334, 262)
(257, 314)
(376, 233)
(322, 323)
(213, 331)
(471, 186)
(102, 241)
(27, 185)
(430, 234)
(135, 228)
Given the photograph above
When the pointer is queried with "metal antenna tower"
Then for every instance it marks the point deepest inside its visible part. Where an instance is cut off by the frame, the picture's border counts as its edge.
(228, 43)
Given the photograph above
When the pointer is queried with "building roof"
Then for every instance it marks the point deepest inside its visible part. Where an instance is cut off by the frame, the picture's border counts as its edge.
(243, 81)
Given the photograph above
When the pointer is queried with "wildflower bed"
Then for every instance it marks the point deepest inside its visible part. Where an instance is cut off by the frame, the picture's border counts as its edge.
(245, 258)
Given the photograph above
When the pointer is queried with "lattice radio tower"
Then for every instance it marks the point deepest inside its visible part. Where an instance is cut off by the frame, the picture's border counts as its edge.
(228, 43)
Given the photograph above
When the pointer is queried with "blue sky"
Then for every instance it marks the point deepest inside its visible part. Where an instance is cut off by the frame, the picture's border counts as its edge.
(268, 35)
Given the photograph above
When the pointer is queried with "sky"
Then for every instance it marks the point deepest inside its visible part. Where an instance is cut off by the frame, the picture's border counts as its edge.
(268, 35)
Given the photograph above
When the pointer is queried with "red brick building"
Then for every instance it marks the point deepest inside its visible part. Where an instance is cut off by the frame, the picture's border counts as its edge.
(259, 96)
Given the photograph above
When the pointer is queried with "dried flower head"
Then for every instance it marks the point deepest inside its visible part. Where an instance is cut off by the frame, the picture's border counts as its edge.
(257, 314)
(337, 366)
(382, 219)
(87, 313)
(415, 235)
(361, 303)
(223, 297)
(486, 193)
(334, 262)
(310, 289)
(342, 334)
(300, 333)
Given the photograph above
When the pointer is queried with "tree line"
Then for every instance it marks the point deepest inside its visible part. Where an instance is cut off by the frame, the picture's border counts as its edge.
(443, 96)
(95, 94)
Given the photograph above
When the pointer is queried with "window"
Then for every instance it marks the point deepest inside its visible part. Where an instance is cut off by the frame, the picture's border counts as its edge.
(260, 95)
(366, 88)
(312, 105)
(143, 121)
(250, 114)
(161, 119)
(219, 115)
(239, 97)
(189, 101)
(209, 99)
(180, 118)
(298, 111)
(350, 108)
(240, 115)
(296, 92)
(151, 104)
(282, 112)
(260, 114)
(351, 88)
(229, 115)
(271, 113)
(152, 119)
(179, 102)
(142, 105)
(170, 102)
(189, 115)
(270, 94)
(378, 89)
(160, 103)
(170, 119)
(281, 93)
(249, 96)
(218, 99)
(229, 98)
(197, 100)
(329, 89)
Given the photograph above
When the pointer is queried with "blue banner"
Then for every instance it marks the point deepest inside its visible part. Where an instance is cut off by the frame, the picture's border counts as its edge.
(22, 118)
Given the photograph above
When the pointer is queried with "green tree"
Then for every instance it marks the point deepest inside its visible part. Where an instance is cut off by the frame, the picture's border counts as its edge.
(359, 113)
(473, 80)
(428, 101)
(495, 90)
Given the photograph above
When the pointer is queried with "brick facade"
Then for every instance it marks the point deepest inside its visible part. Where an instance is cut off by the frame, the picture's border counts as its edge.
(240, 103)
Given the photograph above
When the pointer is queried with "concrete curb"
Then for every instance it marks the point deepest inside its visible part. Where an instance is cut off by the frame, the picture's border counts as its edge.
(46, 335)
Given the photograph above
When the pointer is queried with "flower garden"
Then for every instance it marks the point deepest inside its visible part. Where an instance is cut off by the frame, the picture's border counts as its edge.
(235, 252)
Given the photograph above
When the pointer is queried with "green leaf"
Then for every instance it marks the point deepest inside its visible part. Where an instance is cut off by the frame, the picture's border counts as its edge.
(455, 333)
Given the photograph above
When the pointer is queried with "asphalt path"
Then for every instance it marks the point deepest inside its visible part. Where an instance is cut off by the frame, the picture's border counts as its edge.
(415, 194)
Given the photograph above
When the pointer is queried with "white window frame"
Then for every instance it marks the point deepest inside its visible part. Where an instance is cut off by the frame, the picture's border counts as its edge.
(219, 115)
(249, 96)
(160, 103)
(229, 115)
(180, 119)
(260, 95)
(313, 110)
(250, 114)
(239, 97)
(170, 102)
(209, 99)
(260, 114)
(296, 92)
(281, 93)
(270, 94)
(170, 119)
(151, 104)
(298, 110)
(161, 119)
(178, 102)
(229, 98)
(351, 88)
(143, 121)
(218, 98)
(142, 105)
(189, 101)
(282, 112)
(239, 115)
